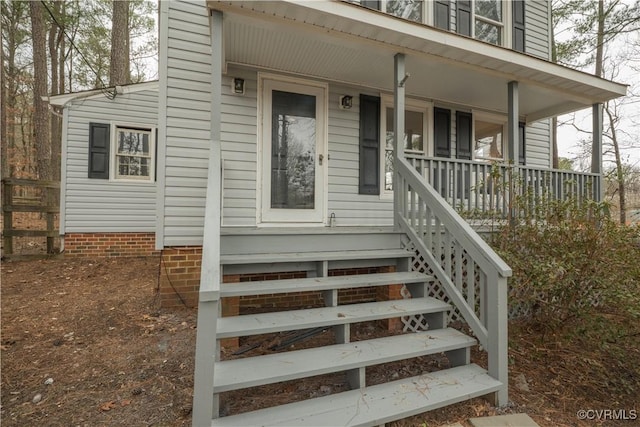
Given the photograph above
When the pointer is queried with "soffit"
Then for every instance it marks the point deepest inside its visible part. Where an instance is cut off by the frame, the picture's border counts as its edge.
(342, 42)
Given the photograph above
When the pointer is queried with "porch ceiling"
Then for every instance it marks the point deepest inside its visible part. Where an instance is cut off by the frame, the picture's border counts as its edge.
(343, 42)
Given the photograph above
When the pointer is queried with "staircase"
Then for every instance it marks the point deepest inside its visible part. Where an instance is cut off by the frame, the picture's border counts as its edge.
(362, 404)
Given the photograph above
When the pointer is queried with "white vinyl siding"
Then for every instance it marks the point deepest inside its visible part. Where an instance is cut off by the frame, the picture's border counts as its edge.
(538, 149)
(186, 90)
(101, 205)
(350, 208)
(537, 41)
(239, 149)
(186, 87)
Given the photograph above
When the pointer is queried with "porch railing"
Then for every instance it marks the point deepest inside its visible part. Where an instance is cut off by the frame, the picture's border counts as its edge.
(493, 189)
(472, 275)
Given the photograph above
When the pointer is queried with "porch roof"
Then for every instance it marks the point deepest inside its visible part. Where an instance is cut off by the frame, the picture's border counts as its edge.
(344, 42)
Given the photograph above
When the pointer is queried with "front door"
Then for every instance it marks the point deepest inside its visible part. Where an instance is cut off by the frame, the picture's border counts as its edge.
(293, 152)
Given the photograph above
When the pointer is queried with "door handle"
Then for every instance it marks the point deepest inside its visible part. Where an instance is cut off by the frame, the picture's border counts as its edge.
(320, 159)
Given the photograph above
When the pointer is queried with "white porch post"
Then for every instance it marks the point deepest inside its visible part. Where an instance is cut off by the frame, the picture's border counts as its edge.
(398, 131)
(596, 152)
(205, 406)
(513, 136)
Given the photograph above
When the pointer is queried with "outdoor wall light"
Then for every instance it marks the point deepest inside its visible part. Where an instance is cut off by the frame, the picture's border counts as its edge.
(238, 86)
(346, 102)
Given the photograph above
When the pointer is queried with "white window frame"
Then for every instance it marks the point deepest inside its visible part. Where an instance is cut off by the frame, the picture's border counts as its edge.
(113, 169)
(490, 118)
(411, 104)
(504, 26)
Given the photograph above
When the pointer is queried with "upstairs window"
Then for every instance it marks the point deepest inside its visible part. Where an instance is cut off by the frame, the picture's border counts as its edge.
(407, 9)
(489, 21)
(498, 22)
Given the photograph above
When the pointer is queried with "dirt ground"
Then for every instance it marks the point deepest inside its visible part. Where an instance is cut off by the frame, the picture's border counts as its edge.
(84, 343)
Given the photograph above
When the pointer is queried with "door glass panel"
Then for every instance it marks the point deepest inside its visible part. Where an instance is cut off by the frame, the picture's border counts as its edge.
(293, 151)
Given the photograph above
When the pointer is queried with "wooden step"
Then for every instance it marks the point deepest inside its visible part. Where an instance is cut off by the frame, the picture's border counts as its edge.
(272, 368)
(279, 257)
(321, 283)
(253, 324)
(377, 404)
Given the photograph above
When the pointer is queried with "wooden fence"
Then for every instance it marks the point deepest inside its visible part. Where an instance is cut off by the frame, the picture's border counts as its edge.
(27, 195)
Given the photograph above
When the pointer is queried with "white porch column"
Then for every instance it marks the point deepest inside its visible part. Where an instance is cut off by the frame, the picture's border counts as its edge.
(205, 405)
(596, 152)
(398, 130)
(513, 136)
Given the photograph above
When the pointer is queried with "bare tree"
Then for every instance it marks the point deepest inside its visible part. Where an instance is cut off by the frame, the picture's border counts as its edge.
(596, 24)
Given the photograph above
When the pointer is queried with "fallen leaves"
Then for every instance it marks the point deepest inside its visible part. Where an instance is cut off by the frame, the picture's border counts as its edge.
(112, 404)
(108, 406)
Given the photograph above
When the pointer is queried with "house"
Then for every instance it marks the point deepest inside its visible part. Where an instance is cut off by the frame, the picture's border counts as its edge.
(108, 208)
(282, 182)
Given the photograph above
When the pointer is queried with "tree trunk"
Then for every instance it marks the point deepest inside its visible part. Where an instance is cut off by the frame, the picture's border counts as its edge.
(620, 178)
(55, 35)
(119, 71)
(4, 167)
(600, 39)
(40, 107)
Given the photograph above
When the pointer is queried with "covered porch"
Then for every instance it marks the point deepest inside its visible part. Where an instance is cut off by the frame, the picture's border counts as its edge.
(351, 46)
(346, 45)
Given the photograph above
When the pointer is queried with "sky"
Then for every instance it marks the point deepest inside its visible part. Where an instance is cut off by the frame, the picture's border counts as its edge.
(621, 53)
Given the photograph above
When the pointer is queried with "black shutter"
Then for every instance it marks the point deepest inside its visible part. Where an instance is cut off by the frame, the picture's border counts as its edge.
(442, 132)
(442, 15)
(373, 4)
(518, 25)
(99, 150)
(463, 135)
(369, 145)
(522, 153)
(463, 17)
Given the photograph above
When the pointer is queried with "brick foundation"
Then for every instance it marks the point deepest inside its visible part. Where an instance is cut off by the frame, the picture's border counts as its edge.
(100, 245)
(180, 276)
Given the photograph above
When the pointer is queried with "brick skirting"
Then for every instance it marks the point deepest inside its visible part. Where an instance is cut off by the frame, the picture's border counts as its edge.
(98, 245)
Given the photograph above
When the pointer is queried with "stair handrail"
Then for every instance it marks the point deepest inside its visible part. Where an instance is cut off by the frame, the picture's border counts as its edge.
(425, 216)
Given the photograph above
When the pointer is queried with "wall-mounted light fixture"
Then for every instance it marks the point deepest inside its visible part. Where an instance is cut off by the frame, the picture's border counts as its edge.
(238, 86)
(346, 102)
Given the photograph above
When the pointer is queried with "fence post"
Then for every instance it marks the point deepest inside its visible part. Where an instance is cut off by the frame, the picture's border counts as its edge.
(50, 218)
(7, 192)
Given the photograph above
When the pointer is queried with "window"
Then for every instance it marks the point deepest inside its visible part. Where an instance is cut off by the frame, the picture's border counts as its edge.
(488, 139)
(123, 152)
(406, 9)
(489, 21)
(133, 159)
(415, 130)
